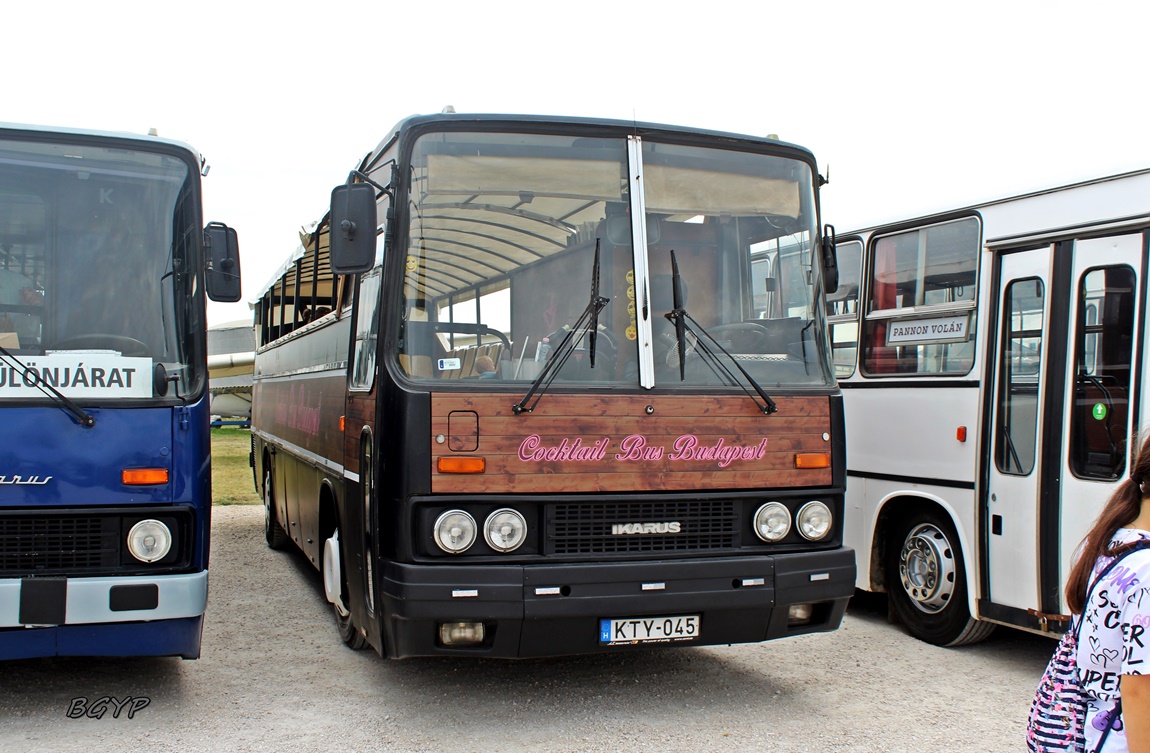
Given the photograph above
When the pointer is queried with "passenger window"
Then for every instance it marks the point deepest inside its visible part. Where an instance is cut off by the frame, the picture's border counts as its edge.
(366, 331)
(1016, 431)
(921, 312)
(842, 309)
(1103, 348)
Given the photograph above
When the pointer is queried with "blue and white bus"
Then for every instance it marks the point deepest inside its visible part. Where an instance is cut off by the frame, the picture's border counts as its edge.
(105, 477)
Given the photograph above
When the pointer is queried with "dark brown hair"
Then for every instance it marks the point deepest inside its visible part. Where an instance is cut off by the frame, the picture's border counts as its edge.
(1123, 507)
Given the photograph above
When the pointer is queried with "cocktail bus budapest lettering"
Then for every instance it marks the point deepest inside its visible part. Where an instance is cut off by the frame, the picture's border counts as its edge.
(105, 486)
(504, 419)
(637, 447)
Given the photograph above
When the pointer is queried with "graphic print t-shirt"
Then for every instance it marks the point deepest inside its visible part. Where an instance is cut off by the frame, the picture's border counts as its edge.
(1115, 639)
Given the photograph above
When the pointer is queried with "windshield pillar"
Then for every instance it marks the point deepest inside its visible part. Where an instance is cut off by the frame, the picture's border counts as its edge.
(640, 286)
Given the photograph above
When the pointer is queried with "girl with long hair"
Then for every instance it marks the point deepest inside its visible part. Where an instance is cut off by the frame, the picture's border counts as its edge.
(1114, 645)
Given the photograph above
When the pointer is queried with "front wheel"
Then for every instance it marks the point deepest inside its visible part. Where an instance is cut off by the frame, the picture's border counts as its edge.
(335, 588)
(926, 581)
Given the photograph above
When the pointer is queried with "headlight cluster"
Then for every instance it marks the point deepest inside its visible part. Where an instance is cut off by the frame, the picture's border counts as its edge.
(773, 521)
(815, 521)
(149, 541)
(505, 530)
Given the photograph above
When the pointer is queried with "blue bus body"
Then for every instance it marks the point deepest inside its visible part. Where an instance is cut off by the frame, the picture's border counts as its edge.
(105, 471)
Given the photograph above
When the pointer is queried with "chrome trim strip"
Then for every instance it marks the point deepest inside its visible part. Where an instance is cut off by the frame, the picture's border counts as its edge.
(314, 459)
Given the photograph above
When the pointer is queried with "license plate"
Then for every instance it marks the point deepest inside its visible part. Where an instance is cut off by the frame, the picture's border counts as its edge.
(649, 629)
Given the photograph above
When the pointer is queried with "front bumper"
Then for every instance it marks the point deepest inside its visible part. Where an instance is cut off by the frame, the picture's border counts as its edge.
(27, 601)
(552, 610)
(102, 616)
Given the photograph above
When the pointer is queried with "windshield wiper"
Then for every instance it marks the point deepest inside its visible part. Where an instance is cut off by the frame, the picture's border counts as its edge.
(680, 318)
(587, 324)
(593, 337)
(85, 419)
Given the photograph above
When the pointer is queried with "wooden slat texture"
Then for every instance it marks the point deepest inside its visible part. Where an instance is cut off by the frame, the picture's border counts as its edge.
(612, 444)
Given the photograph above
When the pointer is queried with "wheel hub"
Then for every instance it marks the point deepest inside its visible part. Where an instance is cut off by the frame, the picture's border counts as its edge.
(926, 568)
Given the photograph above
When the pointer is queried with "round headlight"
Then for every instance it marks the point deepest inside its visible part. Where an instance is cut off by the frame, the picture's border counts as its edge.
(505, 530)
(149, 541)
(815, 520)
(772, 522)
(455, 531)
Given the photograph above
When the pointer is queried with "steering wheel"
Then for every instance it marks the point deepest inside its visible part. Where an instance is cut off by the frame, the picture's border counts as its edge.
(128, 346)
(743, 337)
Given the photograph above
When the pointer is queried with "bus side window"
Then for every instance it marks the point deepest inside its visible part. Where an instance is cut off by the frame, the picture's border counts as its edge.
(1103, 348)
(916, 276)
(842, 309)
(1022, 331)
(366, 331)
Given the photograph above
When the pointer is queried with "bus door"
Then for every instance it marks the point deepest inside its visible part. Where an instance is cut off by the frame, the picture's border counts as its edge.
(1021, 364)
(1060, 410)
(1102, 380)
(359, 518)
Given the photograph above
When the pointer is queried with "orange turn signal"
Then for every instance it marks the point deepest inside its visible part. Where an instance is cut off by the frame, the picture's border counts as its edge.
(812, 460)
(144, 476)
(462, 465)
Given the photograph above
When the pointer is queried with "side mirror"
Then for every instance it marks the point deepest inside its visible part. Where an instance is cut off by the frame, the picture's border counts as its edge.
(352, 228)
(830, 260)
(222, 250)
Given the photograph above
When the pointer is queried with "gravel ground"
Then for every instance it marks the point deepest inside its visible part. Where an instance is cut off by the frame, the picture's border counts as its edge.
(273, 676)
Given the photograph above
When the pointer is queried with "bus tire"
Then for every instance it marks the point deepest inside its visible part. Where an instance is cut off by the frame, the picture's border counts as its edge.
(926, 581)
(335, 588)
(274, 533)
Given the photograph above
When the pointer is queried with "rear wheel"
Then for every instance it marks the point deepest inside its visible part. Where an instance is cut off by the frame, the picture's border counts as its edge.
(335, 587)
(274, 533)
(926, 581)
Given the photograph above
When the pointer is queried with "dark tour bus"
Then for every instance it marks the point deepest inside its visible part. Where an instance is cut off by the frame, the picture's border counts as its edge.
(539, 386)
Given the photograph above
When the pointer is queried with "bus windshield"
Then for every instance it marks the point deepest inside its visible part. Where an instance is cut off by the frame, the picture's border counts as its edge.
(95, 282)
(504, 230)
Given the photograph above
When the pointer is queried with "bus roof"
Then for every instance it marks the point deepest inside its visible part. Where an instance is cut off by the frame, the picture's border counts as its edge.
(25, 129)
(899, 220)
(490, 121)
(487, 120)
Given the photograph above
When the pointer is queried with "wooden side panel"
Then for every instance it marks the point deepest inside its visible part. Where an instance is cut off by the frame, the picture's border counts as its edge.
(360, 413)
(628, 443)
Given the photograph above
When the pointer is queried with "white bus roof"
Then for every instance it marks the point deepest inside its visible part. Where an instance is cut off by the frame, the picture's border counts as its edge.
(70, 131)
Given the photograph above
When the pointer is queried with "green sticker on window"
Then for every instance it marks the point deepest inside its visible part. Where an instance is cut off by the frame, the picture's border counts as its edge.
(1099, 411)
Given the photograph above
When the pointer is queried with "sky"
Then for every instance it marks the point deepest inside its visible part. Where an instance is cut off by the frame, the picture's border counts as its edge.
(909, 107)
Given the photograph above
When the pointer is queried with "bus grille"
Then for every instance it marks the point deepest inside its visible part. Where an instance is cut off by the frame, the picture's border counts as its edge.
(30, 545)
(587, 528)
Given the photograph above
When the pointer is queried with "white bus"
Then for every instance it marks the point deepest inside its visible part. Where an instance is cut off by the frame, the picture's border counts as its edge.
(990, 361)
